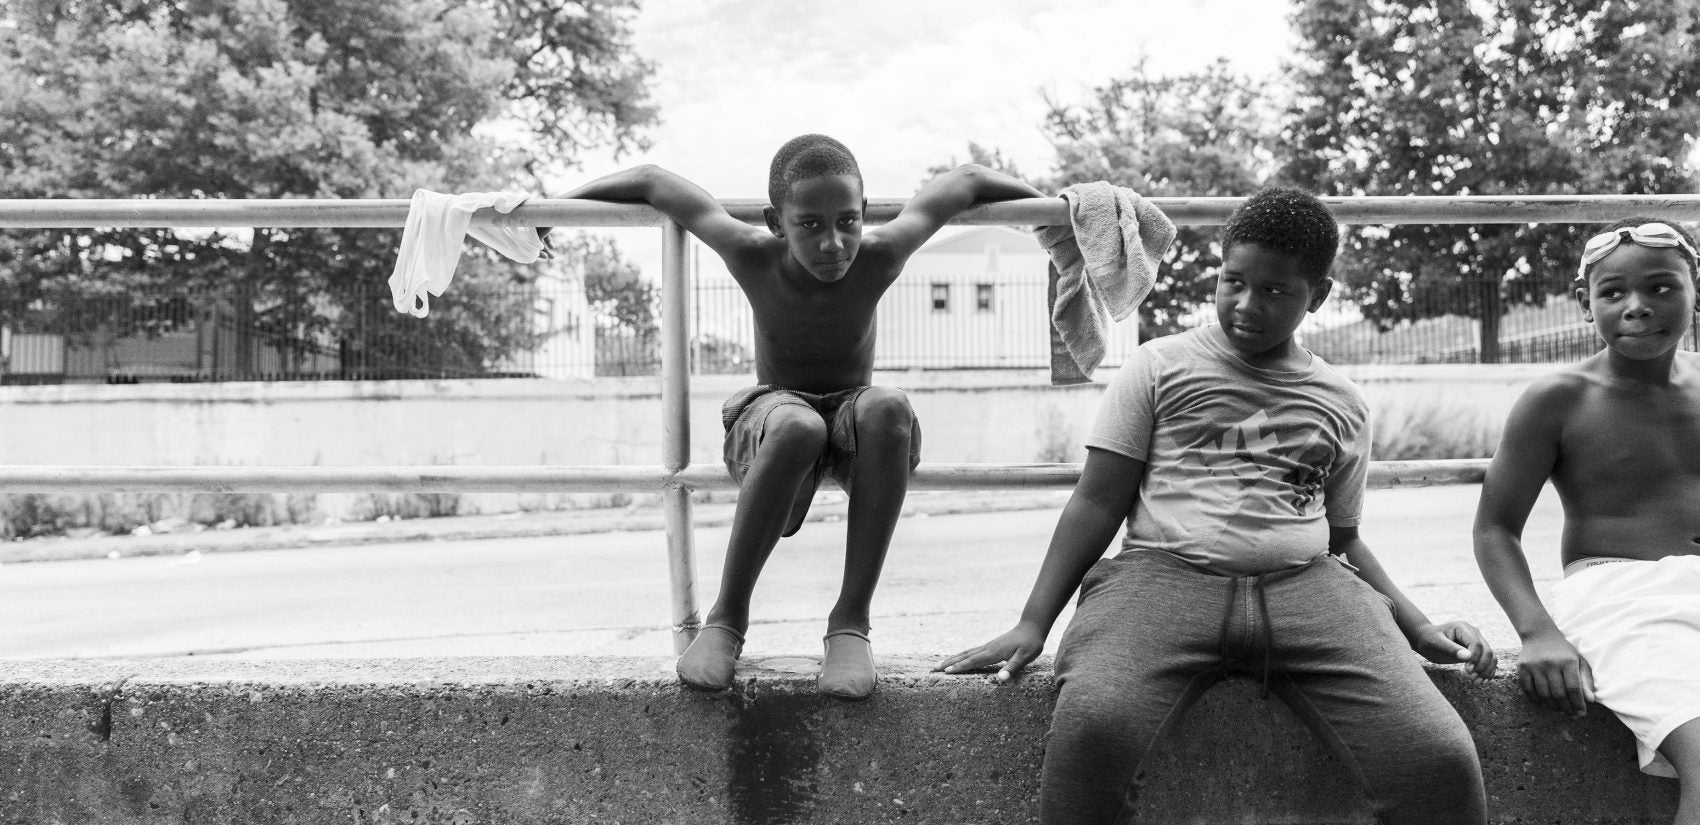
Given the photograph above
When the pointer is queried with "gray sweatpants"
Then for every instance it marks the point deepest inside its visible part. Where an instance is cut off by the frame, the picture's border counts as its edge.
(1152, 632)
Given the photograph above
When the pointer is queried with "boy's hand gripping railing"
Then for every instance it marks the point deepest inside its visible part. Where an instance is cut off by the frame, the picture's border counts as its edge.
(675, 478)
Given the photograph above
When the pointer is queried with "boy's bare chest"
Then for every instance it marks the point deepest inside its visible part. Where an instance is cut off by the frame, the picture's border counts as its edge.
(814, 313)
(814, 328)
(1640, 442)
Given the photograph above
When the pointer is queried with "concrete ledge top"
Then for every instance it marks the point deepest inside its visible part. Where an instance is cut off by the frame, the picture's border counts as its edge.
(617, 673)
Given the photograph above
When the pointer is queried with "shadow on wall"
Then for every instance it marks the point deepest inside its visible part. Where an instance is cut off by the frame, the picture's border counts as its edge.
(1056, 437)
(1433, 423)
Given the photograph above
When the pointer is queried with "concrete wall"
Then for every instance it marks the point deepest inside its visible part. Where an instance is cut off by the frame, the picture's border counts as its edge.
(518, 741)
(1003, 417)
(968, 416)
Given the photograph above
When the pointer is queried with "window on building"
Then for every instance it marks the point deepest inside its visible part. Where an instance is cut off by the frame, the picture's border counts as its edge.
(983, 297)
(941, 297)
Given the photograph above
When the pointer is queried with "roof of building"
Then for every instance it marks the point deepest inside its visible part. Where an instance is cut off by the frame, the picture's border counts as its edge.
(976, 240)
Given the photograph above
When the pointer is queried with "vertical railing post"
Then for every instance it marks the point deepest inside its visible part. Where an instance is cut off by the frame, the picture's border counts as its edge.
(676, 432)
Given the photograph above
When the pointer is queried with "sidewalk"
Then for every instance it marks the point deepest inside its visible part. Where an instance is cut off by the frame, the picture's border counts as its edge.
(830, 507)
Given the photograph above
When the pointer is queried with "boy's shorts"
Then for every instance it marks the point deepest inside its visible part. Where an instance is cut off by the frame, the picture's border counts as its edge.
(745, 415)
(1637, 623)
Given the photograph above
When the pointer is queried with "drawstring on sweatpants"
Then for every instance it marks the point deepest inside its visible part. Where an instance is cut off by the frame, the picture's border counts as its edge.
(1268, 635)
(1227, 617)
(1268, 628)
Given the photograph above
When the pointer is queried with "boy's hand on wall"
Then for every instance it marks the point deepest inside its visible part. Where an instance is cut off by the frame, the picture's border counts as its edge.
(1013, 650)
(1457, 643)
(1552, 672)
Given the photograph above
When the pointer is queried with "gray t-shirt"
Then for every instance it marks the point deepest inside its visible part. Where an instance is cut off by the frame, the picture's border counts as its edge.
(1246, 468)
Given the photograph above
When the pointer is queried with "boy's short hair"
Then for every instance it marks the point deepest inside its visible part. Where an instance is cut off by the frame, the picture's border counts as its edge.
(808, 156)
(1288, 221)
(1637, 220)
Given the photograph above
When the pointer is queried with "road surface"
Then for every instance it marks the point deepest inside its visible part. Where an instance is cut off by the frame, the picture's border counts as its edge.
(950, 582)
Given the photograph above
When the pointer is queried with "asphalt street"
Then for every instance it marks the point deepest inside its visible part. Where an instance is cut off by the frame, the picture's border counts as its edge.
(951, 581)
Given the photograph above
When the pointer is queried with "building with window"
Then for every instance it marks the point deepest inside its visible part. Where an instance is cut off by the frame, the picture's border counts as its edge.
(976, 300)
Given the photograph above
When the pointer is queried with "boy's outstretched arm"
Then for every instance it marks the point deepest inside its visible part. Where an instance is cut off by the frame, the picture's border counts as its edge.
(677, 198)
(943, 197)
(1444, 644)
(1109, 485)
(1550, 669)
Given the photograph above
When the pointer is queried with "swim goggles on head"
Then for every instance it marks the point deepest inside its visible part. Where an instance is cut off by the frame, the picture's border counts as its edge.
(1657, 235)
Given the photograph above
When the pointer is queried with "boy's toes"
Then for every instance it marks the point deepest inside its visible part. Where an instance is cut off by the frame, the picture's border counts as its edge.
(712, 658)
(847, 671)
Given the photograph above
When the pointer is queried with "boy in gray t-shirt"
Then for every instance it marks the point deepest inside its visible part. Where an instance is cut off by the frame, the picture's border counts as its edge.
(1238, 461)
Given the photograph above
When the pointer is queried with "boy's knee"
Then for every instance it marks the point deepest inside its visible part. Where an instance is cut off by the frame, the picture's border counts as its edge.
(884, 411)
(1096, 739)
(1447, 764)
(1098, 713)
(1455, 765)
(794, 427)
(1080, 738)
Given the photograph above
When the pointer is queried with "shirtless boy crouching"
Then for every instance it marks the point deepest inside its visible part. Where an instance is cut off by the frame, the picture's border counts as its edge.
(1619, 436)
(814, 280)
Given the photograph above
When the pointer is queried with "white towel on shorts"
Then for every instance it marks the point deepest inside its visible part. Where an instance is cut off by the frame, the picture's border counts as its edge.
(431, 242)
(1638, 625)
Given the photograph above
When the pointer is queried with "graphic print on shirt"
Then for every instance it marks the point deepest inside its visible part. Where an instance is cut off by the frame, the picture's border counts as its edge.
(1249, 455)
(1309, 471)
(1246, 441)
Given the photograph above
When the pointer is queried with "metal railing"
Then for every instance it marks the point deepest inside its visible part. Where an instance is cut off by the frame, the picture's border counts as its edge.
(675, 478)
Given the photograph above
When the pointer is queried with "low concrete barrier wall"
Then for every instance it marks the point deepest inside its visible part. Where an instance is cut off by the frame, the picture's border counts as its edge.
(973, 417)
(997, 417)
(570, 740)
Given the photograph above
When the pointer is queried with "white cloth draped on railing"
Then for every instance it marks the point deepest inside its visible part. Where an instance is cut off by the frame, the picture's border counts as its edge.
(431, 243)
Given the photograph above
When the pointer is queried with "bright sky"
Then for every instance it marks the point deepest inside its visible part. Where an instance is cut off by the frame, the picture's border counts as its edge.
(906, 84)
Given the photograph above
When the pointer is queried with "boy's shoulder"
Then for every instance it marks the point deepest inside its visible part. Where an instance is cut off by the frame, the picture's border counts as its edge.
(1191, 344)
(880, 249)
(1547, 409)
(1569, 383)
(1194, 355)
(1186, 353)
(756, 254)
(1337, 391)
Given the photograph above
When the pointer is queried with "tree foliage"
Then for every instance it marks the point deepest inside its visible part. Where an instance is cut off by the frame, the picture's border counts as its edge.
(625, 305)
(990, 157)
(1487, 97)
(615, 288)
(300, 99)
(1201, 134)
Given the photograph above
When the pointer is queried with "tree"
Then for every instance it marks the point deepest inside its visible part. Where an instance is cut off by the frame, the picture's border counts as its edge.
(299, 98)
(990, 157)
(1202, 134)
(615, 288)
(625, 304)
(1428, 97)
